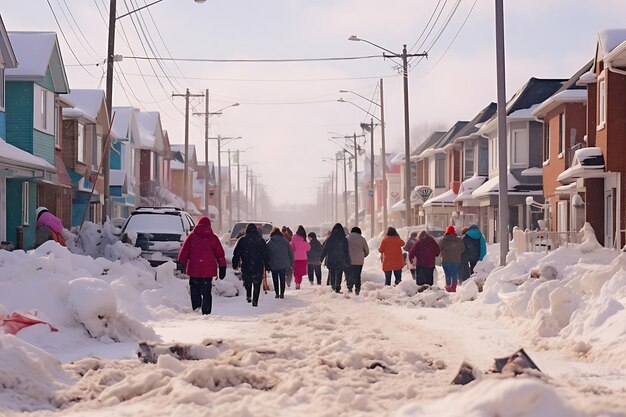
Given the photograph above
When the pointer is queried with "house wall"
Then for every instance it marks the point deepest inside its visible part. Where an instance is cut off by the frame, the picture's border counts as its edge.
(594, 205)
(19, 111)
(3, 125)
(144, 171)
(535, 144)
(592, 117)
(14, 214)
(69, 148)
(177, 184)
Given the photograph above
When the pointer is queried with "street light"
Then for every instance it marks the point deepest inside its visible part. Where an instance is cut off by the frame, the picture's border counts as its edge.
(106, 165)
(407, 140)
(219, 140)
(355, 154)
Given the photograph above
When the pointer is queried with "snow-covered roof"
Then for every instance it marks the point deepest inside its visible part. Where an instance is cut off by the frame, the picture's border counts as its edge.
(7, 55)
(523, 114)
(587, 78)
(12, 155)
(609, 39)
(492, 186)
(399, 206)
(176, 165)
(445, 199)
(147, 123)
(35, 52)
(89, 101)
(586, 163)
(532, 172)
(566, 96)
(122, 121)
(117, 177)
(468, 186)
(77, 113)
(398, 159)
(566, 189)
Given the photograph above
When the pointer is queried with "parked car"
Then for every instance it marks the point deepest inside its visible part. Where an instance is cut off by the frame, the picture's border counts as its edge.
(239, 229)
(158, 231)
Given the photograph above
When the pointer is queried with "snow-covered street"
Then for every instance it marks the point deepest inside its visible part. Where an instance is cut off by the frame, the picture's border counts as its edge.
(390, 351)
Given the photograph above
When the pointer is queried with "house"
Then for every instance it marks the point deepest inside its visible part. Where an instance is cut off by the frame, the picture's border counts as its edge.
(85, 130)
(151, 149)
(33, 114)
(177, 168)
(524, 160)
(598, 170)
(206, 186)
(17, 167)
(395, 191)
(564, 116)
(423, 190)
(473, 168)
(123, 184)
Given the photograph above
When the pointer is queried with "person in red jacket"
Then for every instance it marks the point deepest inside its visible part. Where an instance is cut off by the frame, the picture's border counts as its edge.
(423, 254)
(201, 255)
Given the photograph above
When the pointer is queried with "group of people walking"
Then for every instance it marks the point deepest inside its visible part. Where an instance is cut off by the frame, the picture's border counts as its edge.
(287, 255)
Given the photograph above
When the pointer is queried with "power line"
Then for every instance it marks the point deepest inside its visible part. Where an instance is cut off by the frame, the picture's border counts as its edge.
(67, 42)
(97, 54)
(427, 24)
(431, 28)
(155, 58)
(377, 77)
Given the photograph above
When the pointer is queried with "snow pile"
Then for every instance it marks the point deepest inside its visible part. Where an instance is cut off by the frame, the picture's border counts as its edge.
(575, 295)
(519, 397)
(407, 294)
(27, 375)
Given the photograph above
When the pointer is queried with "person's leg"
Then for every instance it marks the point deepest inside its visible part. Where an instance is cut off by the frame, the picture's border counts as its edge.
(207, 298)
(247, 284)
(256, 282)
(349, 280)
(397, 273)
(448, 272)
(318, 274)
(276, 282)
(472, 265)
(338, 278)
(310, 269)
(387, 278)
(454, 270)
(428, 276)
(195, 293)
(288, 276)
(357, 278)
(281, 279)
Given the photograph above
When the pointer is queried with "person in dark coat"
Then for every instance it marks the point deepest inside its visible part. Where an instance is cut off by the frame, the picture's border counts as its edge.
(407, 248)
(201, 255)
(337, 255)
(475, 250)
(251, 252)
(288, 234)
(451, 249)
(280, 259)
(314, 266)
(422, 255)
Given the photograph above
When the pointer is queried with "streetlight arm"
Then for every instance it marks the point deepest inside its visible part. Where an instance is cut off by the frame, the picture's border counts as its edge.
(138, 9)
(355, 38)
(341, 100)
(363, 97)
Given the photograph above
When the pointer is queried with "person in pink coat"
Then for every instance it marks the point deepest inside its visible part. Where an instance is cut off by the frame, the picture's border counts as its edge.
(300, 247)
(49, 227)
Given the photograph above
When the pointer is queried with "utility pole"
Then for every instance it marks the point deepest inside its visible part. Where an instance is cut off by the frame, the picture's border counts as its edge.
(206, 151)
(345, 188)
(238, 190)
(230, 193)
(383, 156)
(219, 140)
(106, 154)
(246, 198)
(503, 195)
(187, 95)
(356, 182)
(407, 140)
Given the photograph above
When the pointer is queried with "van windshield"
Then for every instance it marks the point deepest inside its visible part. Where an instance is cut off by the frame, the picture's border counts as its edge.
(240, 228)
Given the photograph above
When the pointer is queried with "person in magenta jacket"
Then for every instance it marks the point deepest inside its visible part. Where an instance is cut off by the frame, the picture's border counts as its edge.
(201, 255)
(423, 254)
(300, 247)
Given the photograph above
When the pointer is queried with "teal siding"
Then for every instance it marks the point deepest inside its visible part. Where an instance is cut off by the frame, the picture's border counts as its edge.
(3, 125)
(43, 146)
(19, 114)
(14, 212)
(116, 159)
(47, 82)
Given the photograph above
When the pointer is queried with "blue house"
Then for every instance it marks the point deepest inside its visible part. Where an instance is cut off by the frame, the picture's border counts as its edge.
(123, 184)
(32, 125)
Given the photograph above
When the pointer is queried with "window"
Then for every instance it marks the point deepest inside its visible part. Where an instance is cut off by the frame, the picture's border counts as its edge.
(546, 141)
(43, 110)
(440, 172)
(98, 150)
(519, 147)
(468, 161)
(483, 157)
(1, 88)
(80, 143)
(561, 134)
(493, 149)
(601, 103)
(25, 203)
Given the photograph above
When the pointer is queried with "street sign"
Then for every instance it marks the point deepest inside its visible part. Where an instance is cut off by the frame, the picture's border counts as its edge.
(370, 193)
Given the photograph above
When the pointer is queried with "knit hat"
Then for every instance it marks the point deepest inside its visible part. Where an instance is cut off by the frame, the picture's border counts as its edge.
(450, 230)
(39, 211)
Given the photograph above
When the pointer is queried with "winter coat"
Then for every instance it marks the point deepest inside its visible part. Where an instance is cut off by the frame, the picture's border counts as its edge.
(424, 251)
(251, 252)
(391, 248)
(280, 253)
(451, 249)
(300, 246)
(409, 245)
(475, 244)
(202, 251)
(358, 248)
(335, 250)
(314, 254)
(53, 222)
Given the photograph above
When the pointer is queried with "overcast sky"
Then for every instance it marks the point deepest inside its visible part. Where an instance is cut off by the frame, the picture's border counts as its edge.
(288, 109)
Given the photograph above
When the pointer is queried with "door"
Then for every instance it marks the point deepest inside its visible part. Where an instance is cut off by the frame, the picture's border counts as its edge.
(561, 220)
(608, 218)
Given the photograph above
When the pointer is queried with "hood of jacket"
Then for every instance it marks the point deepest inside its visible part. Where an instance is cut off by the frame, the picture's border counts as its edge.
(474, 233)
(203, 227)
(251, 230)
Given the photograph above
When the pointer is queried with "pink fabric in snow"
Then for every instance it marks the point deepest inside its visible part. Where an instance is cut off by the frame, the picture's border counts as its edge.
(15, 322)
(50, 220)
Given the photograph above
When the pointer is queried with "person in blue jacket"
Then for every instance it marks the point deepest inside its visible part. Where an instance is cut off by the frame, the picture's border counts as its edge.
(475, 250)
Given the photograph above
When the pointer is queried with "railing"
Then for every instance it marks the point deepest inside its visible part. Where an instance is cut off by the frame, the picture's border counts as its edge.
(543, 240)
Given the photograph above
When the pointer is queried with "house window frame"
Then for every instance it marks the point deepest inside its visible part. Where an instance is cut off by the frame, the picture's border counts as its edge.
(80, 143)
(514, 162)
(440, 177)
(493, 154)
(602, 103)
(562, 135)
(44, 110)
(472, 150)
(2, 89)
(481, 144)
(25, 203)
(546, 143)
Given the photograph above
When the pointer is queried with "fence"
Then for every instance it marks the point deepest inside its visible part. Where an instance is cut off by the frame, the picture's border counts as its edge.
(544, 240)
